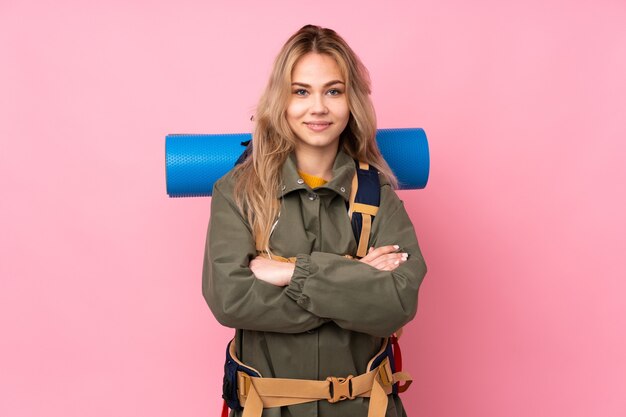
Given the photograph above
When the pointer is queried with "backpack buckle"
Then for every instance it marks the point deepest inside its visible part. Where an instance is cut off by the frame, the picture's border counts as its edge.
(340, 389)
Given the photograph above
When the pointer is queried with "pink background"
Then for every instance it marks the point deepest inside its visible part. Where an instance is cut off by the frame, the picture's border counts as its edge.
(523, 311)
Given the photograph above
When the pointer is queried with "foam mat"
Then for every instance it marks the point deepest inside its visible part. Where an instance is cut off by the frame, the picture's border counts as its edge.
(193, 162)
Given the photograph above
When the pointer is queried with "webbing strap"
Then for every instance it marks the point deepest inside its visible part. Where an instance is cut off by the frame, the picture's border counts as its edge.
(353, 191)
(278, 392)
(364, 239)
(378, 401)
(365, 208)
(254, 405)
(258, 393)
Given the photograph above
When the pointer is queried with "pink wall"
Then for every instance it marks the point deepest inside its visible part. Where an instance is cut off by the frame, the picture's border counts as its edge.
(522, 225)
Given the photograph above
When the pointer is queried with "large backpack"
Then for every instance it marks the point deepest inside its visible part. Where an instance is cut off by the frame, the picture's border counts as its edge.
(362, 208)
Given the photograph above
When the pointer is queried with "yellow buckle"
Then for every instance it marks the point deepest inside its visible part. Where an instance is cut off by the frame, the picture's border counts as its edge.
(340, 389)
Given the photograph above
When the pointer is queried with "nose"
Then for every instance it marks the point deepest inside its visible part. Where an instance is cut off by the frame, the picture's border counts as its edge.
(318, 106)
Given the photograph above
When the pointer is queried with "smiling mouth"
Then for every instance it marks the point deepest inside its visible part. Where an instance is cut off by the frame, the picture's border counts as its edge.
(317, 126)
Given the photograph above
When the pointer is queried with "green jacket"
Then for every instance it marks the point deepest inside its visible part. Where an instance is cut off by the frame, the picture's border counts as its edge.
(331, 319)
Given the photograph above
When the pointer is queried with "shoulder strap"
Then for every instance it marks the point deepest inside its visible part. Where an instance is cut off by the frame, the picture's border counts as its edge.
(363, 204)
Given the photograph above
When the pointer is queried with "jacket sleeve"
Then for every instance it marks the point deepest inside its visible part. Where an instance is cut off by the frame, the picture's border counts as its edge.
(355, 295)
(235, 296)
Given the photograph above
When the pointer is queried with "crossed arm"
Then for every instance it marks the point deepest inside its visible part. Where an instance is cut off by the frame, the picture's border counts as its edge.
(374, 295)
(384, 258)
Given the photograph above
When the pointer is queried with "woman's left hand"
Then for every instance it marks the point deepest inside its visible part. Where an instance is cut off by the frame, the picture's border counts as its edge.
(271, 271)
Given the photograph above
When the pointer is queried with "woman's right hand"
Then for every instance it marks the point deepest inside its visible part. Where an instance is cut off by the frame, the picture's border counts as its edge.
(385, 258)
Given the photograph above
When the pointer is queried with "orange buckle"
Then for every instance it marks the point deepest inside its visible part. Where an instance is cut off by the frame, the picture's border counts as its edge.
(340, 389)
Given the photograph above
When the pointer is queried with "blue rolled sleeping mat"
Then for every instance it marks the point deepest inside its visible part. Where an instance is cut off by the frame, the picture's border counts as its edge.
(194, 162)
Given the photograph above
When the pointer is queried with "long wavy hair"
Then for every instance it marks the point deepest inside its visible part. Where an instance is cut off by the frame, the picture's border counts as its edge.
(258, 178)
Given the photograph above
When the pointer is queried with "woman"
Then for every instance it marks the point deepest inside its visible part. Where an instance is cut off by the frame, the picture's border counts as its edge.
(326, 312)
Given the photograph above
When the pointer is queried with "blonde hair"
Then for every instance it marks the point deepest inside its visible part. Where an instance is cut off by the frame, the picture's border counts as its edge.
(258, 178)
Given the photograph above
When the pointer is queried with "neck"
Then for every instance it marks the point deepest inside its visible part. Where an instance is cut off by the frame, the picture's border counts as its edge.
(316, 162)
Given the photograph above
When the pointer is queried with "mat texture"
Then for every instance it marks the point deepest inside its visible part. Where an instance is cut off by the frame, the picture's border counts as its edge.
(193, 162)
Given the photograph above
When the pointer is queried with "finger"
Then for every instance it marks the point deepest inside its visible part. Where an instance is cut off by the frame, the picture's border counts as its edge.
(394, 266)
(383, 263)
(390, 257)
(389, 266)
(383, 250)
(367, 258)
(389, 262)
(377, 252)
(381, 260)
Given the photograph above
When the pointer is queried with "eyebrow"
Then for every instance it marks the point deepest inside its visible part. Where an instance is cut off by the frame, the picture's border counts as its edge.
(328, 84)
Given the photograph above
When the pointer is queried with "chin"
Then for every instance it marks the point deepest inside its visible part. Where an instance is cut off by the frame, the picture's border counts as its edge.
(319, 142)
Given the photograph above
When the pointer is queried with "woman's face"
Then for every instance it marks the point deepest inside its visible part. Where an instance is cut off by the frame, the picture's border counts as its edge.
(317, 110)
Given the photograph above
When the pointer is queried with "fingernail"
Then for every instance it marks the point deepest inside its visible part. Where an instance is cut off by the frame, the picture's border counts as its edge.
(405, 256)
(396, 246)
(397, 262)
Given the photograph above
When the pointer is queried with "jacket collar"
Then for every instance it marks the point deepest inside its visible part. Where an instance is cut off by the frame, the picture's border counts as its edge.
(341, 183)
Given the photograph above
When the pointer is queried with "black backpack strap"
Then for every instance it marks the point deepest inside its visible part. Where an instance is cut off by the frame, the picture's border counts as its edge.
(363, 204)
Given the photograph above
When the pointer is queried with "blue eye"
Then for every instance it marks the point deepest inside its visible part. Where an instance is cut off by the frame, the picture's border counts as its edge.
(334, 92)
(300, 92)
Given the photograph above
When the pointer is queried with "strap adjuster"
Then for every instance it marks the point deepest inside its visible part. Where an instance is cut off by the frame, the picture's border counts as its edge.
(386, 375)
(340, 389)
(244, 383)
